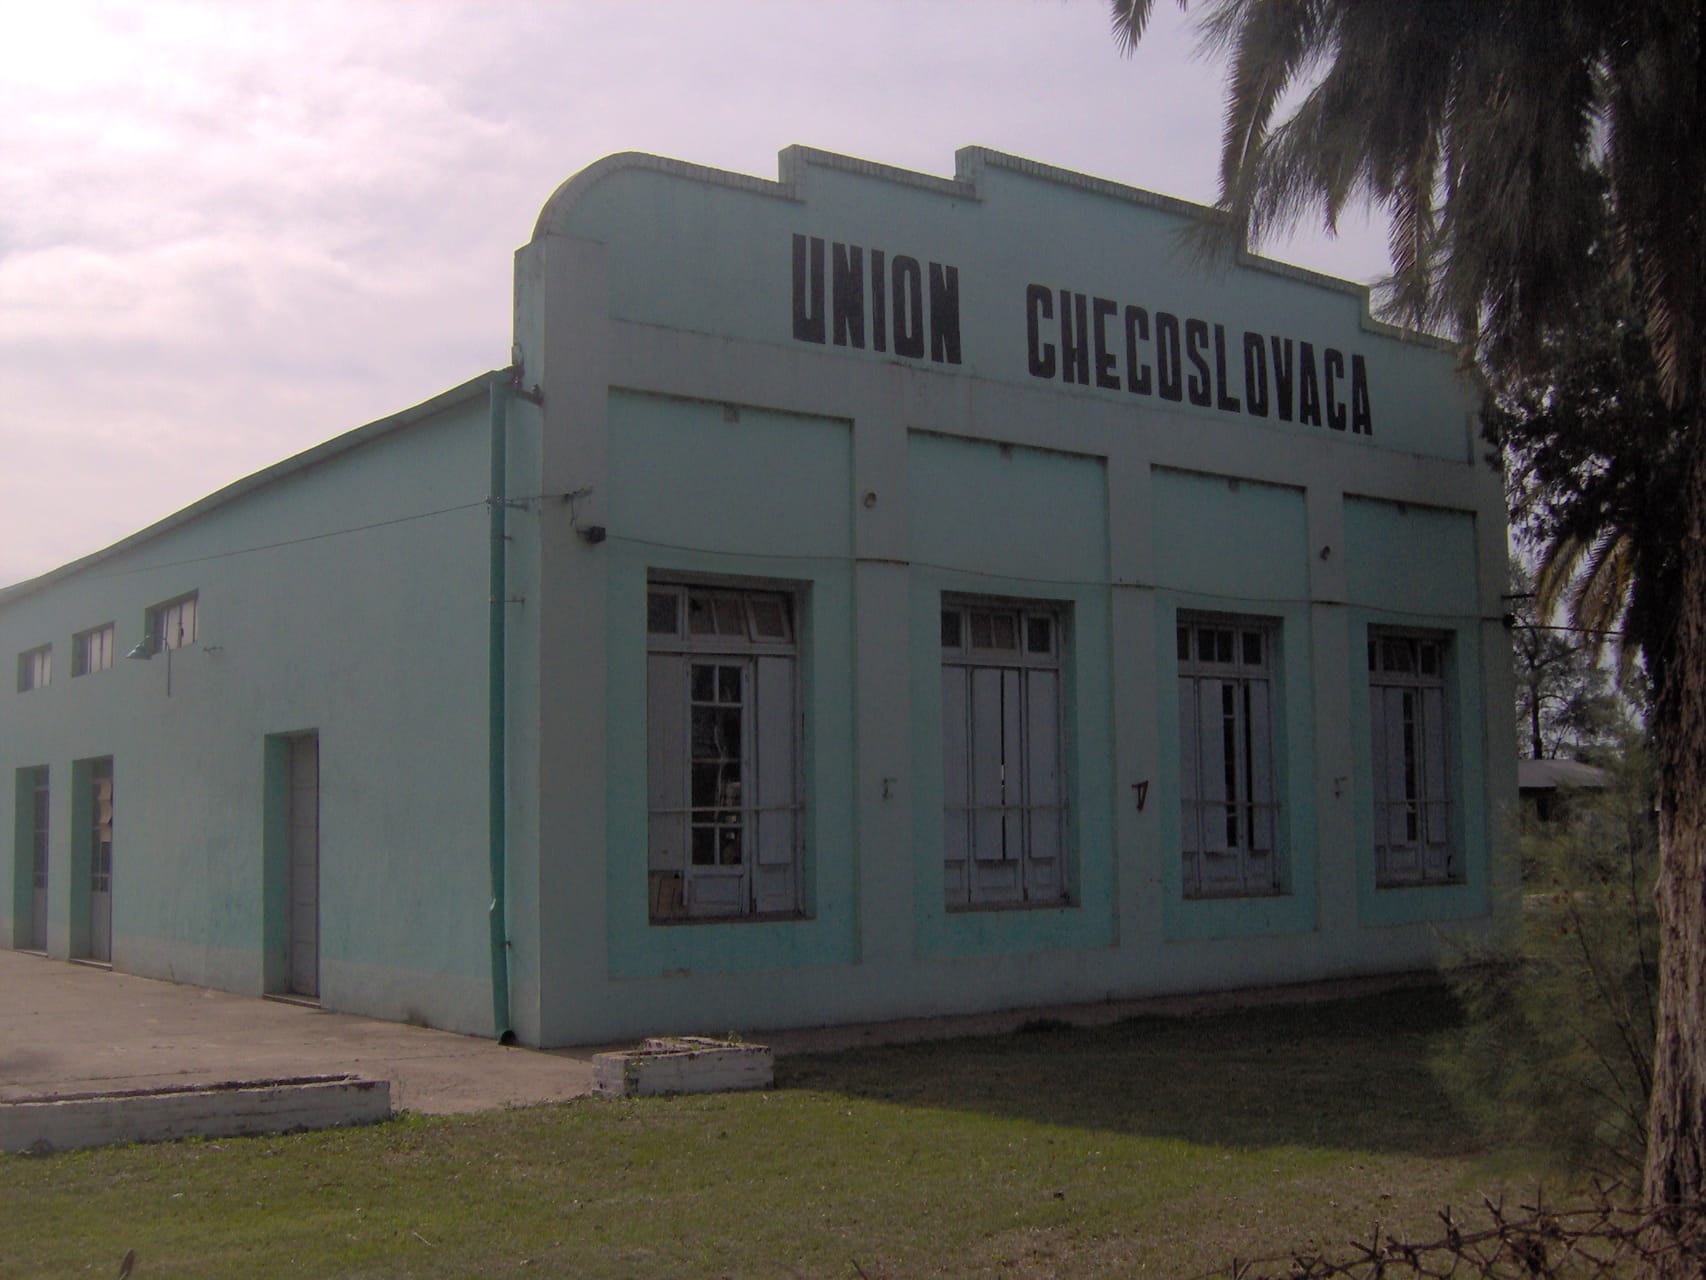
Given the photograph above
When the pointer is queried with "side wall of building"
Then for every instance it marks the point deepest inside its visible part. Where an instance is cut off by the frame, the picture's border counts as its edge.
(343, 597)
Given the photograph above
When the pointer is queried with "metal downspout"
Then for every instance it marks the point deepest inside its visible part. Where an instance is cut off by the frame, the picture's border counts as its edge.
(497, 840)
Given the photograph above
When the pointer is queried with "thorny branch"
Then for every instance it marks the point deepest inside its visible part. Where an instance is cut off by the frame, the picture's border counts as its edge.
(1594, 1242)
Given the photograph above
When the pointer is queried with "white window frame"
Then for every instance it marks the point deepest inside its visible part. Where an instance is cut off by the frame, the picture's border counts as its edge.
(35, 668)
(1004, 786)
(1229, 807)
(1410, 739)
(725, 735)
(92, 650)
(173, 624)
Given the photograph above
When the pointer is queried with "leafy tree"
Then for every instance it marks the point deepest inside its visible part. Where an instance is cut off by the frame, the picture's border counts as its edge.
(1495, 133)
(1564, 702)
(1592, 471)
(1557, 1051)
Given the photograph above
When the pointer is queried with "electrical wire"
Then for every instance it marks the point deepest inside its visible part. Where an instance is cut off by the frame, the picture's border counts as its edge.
(287, 542)
(1091, 583)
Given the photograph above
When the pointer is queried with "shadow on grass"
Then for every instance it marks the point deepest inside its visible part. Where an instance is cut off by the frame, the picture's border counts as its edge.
(1351, 1074)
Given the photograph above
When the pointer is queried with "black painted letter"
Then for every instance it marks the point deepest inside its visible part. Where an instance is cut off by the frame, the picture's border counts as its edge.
(1074, 338)
(1362, 416)
(944, 314)
(1168, 376)
(847, 294)
(1106, 374)
(1196, 344)
(808, 314)
(1136, 328)
(1223, 399)
(879, 303)
(1333, 362)
(908, 279)
(1256, 375)
(1308, 386)
(1039, 306)
(1283, 370)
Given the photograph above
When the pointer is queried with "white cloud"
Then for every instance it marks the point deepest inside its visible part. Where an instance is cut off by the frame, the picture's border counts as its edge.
(229, 231)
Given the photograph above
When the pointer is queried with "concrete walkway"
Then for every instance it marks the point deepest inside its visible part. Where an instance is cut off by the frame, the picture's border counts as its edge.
(70, 1028)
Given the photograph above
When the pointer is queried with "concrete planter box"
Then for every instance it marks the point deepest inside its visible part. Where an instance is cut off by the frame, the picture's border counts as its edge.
(683, 1064)
(206, 1111)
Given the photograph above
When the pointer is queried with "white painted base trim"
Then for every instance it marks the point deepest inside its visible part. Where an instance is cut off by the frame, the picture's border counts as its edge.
(204, 1111)
(683, 1064)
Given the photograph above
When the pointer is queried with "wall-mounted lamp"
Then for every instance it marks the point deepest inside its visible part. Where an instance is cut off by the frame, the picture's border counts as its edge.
(145, 650)
(593, 534)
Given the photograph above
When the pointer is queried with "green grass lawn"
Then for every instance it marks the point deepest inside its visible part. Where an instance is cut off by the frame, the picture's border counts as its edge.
(1155, 1147)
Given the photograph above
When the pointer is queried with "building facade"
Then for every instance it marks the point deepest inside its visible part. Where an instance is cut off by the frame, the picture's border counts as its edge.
(866, 594)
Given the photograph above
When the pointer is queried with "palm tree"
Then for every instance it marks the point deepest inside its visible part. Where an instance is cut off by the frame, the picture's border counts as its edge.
(1493, 133)
(1592, 467)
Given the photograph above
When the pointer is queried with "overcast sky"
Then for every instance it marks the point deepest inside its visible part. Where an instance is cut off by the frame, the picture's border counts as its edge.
(231, 230)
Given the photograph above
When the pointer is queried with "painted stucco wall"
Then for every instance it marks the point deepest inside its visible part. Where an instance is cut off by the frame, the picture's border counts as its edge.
(657, 309)
(346, 596)
(689, 414)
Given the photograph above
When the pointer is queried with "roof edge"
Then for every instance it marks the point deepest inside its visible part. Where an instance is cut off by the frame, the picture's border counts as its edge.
(283, 469)
(969, 164)
(971, 160)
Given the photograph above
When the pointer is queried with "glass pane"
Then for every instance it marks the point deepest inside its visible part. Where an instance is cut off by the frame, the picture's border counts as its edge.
(700, 621)
(1005, 628)
(707, 786)
(1430, 659)
(1184, 639)
(729, 846)
(1039, 635)
(704, 681)
(769, 619)
(728, 732)
(1253, 648)
(662, 608)
(981, 633)
(705, 734)
(728, 684)
(704, 846)
(731, 618)
(950, 628)
(1373, 656)
(1222, 645)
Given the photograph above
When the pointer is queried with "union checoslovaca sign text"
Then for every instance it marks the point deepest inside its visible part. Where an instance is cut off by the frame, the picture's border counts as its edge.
(850, 295)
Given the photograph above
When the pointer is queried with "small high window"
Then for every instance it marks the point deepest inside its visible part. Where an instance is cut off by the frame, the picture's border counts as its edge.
(92, 650)
(35, 668)
(172, 623)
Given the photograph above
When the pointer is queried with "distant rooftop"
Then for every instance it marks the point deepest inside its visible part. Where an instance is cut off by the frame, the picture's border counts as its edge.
(1559, 775)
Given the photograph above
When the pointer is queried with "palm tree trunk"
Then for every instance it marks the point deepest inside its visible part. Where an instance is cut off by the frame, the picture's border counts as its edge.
(1676, 1116)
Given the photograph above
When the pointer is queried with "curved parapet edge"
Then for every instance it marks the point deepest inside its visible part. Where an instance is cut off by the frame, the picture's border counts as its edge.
(969, 164)
(554, 215)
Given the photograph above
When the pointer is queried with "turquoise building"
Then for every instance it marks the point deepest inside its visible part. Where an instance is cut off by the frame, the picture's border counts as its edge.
(865, 595)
